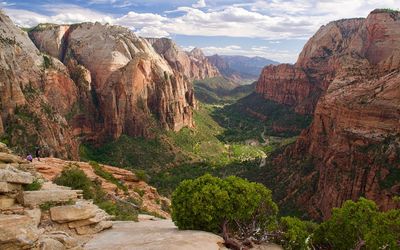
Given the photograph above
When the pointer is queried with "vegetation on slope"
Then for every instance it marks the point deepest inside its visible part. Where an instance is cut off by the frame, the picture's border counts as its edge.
(220, 90)
(245, 213)
(212, 146)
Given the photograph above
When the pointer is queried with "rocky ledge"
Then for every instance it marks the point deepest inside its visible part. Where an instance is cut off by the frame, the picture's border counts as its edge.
(53, 217)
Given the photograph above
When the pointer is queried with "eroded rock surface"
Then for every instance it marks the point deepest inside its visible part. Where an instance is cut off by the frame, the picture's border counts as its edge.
(154, 235)
(129, 82)
(352, 148)
(194, 64)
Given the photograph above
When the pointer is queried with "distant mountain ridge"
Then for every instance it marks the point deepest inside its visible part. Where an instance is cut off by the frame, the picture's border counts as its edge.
(241, 69)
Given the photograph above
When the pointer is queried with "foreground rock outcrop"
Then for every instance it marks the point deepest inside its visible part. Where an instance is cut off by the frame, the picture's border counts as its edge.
(25, 222)
(148, 196)
(154, 235)
(352, 148)
(194, 64)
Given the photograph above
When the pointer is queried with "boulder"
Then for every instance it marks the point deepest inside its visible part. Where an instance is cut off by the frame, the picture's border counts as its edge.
(10, 158)
(4, 148)
(13, 175)
(35, 198)
(6, 202)
(101, 215)
(79, 211)
(35, 215)
(18, 229)
(63, 237)
(6, 187)
(50, 244)
(94, 229)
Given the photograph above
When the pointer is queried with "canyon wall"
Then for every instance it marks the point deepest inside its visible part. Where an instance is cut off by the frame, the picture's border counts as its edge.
(194, 65)
(89, 82)
(352, 148)
(36, 93)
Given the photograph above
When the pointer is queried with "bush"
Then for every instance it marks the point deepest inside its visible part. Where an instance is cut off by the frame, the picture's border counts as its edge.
(212, 204)
(100, 171)
(74, 177)
(141, 175)
(35, 185)
(358, 224)
(295, 233)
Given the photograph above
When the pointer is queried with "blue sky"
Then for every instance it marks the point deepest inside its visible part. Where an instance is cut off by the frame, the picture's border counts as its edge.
(275, 29)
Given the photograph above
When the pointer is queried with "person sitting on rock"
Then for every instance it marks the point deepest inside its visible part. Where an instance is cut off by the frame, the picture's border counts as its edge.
(29, 157)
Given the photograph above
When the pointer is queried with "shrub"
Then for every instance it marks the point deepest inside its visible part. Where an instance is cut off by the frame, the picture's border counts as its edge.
(47, 62)
(212, 204)
(141, 175)
(295, 233)
(358, 224)
(74, 177)
(100, 171)
(35, 185)
(139, 191)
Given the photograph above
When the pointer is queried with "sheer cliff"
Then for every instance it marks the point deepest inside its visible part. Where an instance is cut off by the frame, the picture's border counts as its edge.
(349, 73)
(89, 82)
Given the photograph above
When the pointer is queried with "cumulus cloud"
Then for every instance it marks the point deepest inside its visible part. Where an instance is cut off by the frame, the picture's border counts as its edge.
(272, 20)
(199, 4)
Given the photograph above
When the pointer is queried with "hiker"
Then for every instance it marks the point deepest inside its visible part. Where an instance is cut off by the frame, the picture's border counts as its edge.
(37, 153)
(29, 158)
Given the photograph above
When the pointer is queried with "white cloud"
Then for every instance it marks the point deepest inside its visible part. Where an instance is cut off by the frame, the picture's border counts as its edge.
(152, 32)
(6, 4)
(60, 14)
(271, 20)
(199, 4)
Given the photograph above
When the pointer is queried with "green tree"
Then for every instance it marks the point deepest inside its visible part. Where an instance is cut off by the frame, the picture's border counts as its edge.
(232, 206)
(357, 225)
(295, 233)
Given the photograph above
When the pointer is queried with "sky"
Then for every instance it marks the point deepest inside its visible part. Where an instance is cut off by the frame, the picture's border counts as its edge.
(274, 29)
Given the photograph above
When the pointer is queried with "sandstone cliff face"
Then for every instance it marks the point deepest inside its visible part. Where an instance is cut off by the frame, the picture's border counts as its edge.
(35, 91)
(122, 79)
(194, 65)
(300, 85)
(352, 148)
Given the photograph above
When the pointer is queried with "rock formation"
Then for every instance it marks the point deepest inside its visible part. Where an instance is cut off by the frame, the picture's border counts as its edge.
(194, 64)
(125, 80)
(148, 196)
(90, 82)
(36, 93)
(352, 148)
(24, 221)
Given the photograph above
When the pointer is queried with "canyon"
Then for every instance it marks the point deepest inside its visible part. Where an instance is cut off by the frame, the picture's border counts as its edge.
(62, 85)
(88, 82)
(347, 76)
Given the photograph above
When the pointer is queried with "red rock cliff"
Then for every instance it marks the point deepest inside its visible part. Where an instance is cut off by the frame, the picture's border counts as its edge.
(36, 92)
(123, 80)
(352, 148)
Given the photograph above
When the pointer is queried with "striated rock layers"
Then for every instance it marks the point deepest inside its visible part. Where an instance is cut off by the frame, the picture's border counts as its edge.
(352, 148)
(36, 93)
(125, 80)
(94, 82)
(194, 64)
